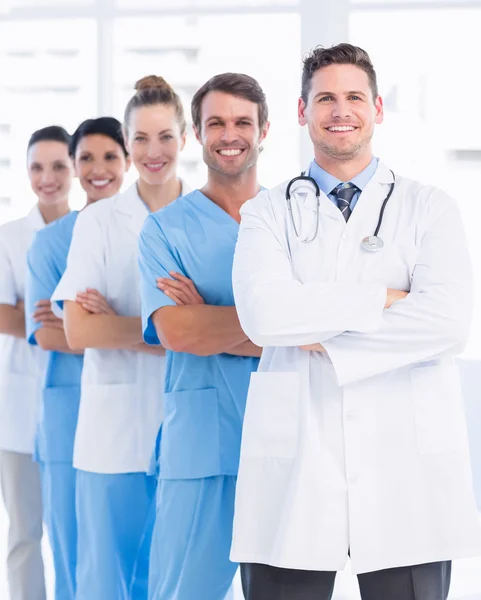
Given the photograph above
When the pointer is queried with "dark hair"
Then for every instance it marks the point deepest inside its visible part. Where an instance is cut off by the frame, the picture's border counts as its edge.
(53, 133)
(342, 54)
(152, 90)
(235, 84)
(107, 126)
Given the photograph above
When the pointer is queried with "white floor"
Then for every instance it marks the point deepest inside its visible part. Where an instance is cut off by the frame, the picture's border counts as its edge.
(466, 583)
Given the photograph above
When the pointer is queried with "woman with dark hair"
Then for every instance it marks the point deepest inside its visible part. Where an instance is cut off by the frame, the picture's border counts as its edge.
(100, 156)
(122, 381)
(50, 170)
(101, 159)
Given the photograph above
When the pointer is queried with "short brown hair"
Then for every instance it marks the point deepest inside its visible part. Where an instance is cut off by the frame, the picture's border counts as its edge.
(152, 90)
(235, 84)
(342, 54)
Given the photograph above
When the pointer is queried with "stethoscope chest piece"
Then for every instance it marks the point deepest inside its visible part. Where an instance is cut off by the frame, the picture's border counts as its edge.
(372, 243)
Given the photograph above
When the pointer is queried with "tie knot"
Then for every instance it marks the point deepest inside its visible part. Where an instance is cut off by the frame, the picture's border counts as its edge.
(345, 192)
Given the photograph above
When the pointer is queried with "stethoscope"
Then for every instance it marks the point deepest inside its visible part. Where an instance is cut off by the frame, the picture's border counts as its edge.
(371, 243)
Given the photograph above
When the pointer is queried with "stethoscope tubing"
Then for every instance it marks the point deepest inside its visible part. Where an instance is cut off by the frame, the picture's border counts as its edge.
(311, 180)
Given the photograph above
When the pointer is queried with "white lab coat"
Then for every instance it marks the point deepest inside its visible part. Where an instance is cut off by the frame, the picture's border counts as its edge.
(363, 448)
(121, 397)
(21, 365)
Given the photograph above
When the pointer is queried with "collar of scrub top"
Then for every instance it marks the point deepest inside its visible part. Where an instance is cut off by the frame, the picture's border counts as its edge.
(131, 205)
(328, 182)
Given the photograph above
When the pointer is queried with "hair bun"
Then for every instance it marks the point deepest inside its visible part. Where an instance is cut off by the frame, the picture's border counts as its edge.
(152, 82)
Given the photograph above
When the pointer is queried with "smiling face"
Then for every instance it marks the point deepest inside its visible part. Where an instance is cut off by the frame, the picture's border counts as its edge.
(50, 170)
(100, 164)
(230, 133)
(341, 113)
(154, 141)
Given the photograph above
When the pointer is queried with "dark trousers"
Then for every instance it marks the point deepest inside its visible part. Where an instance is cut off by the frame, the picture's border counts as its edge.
(420, 582)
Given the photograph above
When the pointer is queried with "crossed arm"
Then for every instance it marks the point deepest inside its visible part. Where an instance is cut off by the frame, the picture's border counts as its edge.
(195, 327)
(190, 326)
(361, 339)
(90, 322)
(392, 296)
(51, 335)
(12, 319)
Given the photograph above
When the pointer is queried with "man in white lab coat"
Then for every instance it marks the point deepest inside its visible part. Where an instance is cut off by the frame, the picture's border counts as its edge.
(354, 440)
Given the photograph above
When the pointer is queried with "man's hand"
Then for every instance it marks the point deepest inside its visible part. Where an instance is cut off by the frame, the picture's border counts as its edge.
(94, 302)
(393, 296)
(180, 289)
(43, 314)
(313, 348)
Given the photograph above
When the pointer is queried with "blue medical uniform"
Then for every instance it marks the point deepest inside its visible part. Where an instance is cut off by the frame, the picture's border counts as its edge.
(204, 407)
(116, 514)
(57, 421)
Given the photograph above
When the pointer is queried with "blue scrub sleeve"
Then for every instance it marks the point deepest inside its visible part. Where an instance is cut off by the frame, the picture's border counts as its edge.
(42, 279)
(156, 259)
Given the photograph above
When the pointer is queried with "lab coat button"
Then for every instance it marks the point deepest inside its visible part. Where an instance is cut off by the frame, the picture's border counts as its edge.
(344, 236)
(351, 415)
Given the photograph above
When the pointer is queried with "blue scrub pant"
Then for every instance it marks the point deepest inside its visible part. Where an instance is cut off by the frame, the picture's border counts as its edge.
(115, 516)
(192, 539)
(58, 491)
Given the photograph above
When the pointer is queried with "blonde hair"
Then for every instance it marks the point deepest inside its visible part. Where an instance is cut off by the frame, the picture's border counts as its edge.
(152, 90)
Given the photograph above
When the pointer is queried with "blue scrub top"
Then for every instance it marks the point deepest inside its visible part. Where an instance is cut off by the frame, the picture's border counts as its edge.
(47, 261)
(205, 396)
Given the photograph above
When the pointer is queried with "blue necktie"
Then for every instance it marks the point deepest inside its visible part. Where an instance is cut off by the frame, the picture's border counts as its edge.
(344, 193)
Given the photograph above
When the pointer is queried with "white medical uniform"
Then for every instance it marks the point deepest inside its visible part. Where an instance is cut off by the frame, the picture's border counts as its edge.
(362, 448)
(121, 399)
(21, 365)
(21, 372)
(120, 407)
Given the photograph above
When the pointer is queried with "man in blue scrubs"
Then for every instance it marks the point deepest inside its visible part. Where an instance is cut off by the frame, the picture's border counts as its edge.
(186, 256)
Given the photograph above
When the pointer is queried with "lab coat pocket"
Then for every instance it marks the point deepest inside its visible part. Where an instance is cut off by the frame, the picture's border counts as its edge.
(271, 422)
(110, 429)
(190, 445)
(438, 408)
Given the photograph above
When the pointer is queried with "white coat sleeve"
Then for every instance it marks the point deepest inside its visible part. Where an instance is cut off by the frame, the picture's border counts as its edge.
(432, 320)
(274, 308)
(86, 258)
